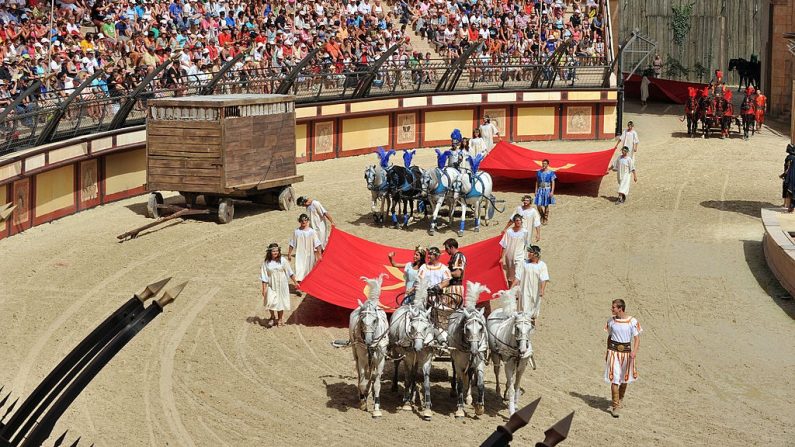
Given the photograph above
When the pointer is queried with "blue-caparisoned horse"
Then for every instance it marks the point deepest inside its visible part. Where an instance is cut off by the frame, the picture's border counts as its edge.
(376, 178)
(405, 186)
(437, 185)
(472, 188)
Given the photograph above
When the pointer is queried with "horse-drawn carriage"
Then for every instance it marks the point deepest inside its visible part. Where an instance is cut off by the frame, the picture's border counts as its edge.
(433, 325)
(398, 188)
(222, 148)
(717, 113)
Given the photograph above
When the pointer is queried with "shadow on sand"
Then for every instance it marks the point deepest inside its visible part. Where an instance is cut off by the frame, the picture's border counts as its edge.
(596, 402)
(755, 258)
(748, 207)
(590, 189)
(314, 312)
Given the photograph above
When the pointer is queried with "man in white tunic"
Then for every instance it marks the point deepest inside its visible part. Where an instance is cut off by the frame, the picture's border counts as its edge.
(532, 278)
(513, 243)
(531, 219)
(436, 275)
(307, 248)
(318, 215)
(629, 138)
(625, 171)
(623, 341)
(275, 275)
(488, 131)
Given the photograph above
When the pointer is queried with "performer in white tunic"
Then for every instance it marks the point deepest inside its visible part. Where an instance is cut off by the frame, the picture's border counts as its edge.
(488, 131)
(307, 248)
(625, 170)
(531, 219)
(275, 275)
(623, 341)
(532, 278)
(513, 243)
(318, 215)
(476, 144)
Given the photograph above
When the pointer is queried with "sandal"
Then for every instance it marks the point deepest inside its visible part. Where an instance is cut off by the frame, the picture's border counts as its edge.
(280, 323)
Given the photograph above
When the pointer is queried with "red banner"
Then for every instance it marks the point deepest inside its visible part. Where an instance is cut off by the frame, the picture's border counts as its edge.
(512, 161)
(661, 90)
(336, 279)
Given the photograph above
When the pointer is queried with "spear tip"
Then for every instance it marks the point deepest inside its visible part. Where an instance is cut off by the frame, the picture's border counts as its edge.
(171, 294)
(152, 289)
(558, 432)
(74, 444)
(522, 417)
(60, 439)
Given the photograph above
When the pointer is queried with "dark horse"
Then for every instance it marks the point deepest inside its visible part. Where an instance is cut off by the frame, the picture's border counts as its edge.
(405, 186)
(749, 71)
(748, 112)
(706, 114)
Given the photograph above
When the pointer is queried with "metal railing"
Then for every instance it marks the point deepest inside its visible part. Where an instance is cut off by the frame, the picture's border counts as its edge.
(39, 118)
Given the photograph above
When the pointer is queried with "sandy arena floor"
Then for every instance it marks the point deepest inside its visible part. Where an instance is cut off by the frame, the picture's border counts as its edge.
(716, 358)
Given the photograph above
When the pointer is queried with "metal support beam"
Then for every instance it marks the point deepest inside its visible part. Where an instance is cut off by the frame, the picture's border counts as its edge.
(462, 62)
(553, 62)
(52, 124)
(121, 116)
(363, 88)
(210, 87)
(289, 81)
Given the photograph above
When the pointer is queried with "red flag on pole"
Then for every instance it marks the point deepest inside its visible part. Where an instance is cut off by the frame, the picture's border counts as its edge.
(336, 279)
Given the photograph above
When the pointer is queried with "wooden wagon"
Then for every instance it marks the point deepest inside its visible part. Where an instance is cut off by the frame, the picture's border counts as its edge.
(222, 148)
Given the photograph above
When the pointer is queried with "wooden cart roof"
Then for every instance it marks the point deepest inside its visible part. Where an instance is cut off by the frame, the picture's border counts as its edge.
(220, 100)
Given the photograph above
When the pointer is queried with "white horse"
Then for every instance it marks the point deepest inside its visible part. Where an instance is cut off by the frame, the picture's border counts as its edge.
(411, 334)
(437, 185)
(468, 342)
(509, 341)
(368, 333)
(375, 176)
(472, 189)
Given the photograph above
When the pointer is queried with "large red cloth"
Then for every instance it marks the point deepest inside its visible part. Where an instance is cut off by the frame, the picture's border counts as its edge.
(512, 161)
(337, 278)
(661, 90)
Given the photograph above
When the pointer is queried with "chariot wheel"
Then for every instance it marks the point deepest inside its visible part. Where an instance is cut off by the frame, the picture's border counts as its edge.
(154, 200)
(226, 211)
(490, 209)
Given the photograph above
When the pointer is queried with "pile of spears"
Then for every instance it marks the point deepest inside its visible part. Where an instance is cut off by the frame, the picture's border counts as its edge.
(33, 422)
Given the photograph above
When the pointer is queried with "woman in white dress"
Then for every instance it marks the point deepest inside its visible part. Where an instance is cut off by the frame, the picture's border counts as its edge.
(275, 275)
(513, 244)
(307, 248)
(410, 272)
(625, 169)
(476, 144)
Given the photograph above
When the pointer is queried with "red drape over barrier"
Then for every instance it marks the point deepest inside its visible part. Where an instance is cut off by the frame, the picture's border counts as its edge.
(512, 161)
(661, 90)
(336, 279)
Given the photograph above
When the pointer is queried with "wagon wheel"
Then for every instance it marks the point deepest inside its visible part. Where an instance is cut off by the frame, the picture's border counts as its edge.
(226, 211)
(154, 200)
(286, 198)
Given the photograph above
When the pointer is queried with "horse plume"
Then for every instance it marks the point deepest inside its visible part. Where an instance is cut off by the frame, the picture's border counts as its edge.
(441, 158)
(474, 162)
(374, 284)
(383, 156)
(474, 289)
(507, 299)
(407, 157)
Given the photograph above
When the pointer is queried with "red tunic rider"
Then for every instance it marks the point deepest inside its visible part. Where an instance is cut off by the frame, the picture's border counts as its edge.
(728, 112)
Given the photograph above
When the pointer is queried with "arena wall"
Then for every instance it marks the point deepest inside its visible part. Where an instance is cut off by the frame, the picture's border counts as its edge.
(52, 181)
(779, 248)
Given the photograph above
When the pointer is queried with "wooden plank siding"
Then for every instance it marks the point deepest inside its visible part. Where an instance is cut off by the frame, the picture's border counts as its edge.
(716, 35)
(258, 148)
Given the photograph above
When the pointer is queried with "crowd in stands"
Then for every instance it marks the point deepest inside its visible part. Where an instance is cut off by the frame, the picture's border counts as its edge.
(127, 39)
